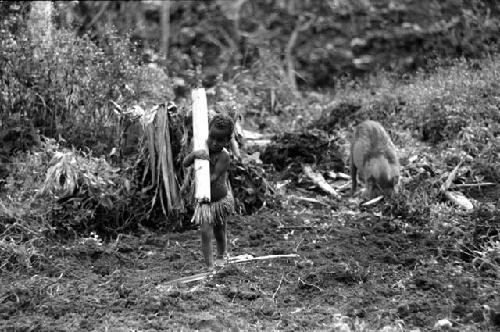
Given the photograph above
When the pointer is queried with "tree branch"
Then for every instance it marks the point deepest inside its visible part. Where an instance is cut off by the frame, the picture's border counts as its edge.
(165, 26)
(289, 48)
(104, 6)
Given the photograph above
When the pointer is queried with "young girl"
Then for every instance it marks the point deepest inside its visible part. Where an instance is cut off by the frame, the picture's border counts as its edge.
(221, 199)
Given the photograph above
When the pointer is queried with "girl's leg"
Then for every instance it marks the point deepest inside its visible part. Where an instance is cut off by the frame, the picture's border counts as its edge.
(206, 243)
(220, 232)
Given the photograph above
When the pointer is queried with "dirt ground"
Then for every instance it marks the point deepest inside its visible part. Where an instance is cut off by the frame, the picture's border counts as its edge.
(357, 270)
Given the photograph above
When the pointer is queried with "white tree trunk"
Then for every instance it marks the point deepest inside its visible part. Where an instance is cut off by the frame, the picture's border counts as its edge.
(200, 135)
(40, 25)
(165, 27)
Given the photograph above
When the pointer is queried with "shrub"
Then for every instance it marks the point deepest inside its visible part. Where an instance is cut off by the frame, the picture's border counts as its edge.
(260, 92)
(57, 191)
(65, 85)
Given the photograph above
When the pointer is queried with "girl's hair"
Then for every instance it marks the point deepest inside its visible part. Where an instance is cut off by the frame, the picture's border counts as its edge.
(223, 122)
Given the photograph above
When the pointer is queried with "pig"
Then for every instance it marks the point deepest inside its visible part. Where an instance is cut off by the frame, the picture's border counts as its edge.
(374, 159)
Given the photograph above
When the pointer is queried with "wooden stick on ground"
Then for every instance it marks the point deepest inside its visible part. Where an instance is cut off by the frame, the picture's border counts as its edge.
(320, 181)
(373, 201)
(471, 185)
(248, 258)
(188, 279)
(459, 199)
(455, 196)
(298, 227)
(231, 260)
(446, 185)
(308, 200)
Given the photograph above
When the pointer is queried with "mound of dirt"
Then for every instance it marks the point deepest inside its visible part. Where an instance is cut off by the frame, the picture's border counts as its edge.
(309, 146)
(337, 114)
(250, 185)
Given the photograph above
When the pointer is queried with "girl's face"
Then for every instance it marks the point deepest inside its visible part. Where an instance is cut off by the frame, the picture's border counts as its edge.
(217, 140)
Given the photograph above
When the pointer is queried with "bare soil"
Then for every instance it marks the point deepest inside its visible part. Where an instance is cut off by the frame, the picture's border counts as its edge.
(357, 270)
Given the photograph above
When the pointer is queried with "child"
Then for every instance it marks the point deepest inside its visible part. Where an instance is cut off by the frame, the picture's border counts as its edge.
(222, 203)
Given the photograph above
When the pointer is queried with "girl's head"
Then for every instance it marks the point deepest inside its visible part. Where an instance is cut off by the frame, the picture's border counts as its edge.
(220, 131)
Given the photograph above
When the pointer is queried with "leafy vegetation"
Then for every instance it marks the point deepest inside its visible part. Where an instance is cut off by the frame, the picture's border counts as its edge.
(64, 85)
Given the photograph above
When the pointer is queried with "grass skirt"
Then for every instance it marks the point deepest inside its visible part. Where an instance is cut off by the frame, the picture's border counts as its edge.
(214, 213)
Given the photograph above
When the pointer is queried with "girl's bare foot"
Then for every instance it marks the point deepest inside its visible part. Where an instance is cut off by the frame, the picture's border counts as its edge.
(219, 262)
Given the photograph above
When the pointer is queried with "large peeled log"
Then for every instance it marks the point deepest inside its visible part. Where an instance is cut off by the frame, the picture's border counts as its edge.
(200, 135)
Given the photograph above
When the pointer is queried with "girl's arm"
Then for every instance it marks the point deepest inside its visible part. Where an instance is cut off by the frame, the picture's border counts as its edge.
(199, 154)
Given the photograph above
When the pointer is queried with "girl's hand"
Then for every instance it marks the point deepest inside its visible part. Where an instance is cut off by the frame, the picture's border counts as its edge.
(201, 154)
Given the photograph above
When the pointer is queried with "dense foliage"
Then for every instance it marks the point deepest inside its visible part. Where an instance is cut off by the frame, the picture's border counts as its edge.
(325, 39)
(67, 86)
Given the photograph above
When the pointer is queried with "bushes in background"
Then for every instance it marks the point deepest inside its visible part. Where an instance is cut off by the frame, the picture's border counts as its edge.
(64, 85)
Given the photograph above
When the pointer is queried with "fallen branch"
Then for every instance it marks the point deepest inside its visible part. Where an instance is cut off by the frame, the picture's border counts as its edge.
(308, 199)
(471, 185)
(320, 181)
(297, 227)
(446, 185)
(279, 286)
(338, 176)
(459, 199)
(303, 283)
(373, 201)
(231, 260)
(344, 187)
(249, 258)
(298, 244)
(196, 277)
(455, 197)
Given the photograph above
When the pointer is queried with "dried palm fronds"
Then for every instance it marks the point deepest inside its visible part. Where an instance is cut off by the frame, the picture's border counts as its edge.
(161, 164)
(62, 176)
(70, 174)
